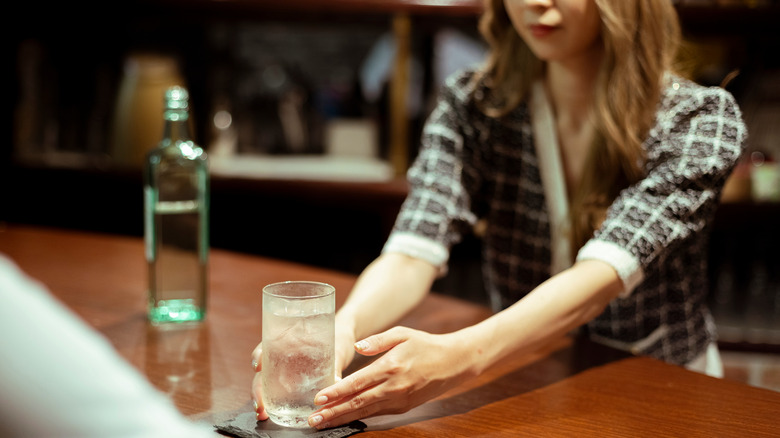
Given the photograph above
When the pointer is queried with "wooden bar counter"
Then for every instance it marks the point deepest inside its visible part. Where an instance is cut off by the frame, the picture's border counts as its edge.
(574, 388)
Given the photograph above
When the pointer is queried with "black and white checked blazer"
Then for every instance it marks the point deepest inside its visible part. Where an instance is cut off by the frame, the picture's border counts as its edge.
(473, 167)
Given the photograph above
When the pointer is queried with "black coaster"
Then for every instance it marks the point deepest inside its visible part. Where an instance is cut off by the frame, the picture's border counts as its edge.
(245, 425)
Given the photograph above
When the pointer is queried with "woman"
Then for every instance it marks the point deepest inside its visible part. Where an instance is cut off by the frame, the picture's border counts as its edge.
(596, 173)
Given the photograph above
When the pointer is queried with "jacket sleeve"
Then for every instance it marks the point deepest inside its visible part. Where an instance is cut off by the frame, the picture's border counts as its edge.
(438, 207)
(696, 142)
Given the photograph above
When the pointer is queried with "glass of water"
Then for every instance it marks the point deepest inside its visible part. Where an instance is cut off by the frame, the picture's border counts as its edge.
(298, 348)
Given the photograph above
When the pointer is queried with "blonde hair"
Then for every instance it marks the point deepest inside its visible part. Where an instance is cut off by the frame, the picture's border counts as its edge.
(641, 39)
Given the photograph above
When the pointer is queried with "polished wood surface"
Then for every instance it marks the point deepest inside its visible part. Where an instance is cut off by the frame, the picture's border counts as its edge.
(572, 389)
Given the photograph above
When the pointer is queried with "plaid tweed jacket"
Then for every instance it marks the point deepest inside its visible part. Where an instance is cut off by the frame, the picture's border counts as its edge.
(473, 167)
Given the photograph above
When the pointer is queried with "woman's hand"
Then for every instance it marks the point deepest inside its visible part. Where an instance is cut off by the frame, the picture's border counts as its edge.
(417, 367)
(257, 386)
(344, 355)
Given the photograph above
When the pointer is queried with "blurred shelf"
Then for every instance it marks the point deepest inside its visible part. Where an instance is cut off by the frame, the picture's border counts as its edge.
(339, 225)
(689, 11)
(417, 7)
(697, 16)
(303, 167)
(43, 184)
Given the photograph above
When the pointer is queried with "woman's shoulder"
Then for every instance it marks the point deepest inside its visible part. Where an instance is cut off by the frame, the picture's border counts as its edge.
(681, 95)
(462, 85)
(689, 110)
(460, 95)
(468, 91)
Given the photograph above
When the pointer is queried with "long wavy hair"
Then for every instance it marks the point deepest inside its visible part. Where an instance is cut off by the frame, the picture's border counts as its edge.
(641, 39)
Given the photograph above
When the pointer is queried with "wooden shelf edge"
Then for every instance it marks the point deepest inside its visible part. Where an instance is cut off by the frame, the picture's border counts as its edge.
(417, 7)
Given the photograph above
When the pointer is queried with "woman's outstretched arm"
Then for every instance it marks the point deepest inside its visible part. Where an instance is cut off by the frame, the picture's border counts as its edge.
(419, 366)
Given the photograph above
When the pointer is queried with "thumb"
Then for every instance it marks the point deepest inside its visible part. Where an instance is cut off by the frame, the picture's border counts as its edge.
(257, 354)
(382, 342)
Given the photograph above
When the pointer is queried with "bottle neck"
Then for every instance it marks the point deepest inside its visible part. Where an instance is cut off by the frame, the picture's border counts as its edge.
(176, 125)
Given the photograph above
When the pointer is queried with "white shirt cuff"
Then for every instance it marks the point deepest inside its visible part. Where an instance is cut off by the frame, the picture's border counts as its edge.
(625, 263)
(420, 248)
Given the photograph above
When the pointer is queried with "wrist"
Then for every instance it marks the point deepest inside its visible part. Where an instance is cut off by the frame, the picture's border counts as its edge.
(345, 326)
(473, 356)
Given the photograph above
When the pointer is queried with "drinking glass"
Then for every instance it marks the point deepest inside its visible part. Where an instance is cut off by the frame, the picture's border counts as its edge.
(298, 348)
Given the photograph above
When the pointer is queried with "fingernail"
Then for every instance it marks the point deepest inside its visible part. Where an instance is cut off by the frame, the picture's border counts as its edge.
(254, 364)
(321, 400)
(257, 416)
(315, 420)
(361, 345)
(255, 402)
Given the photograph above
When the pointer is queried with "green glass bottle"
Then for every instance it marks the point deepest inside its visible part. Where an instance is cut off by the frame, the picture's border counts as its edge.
(176, 197)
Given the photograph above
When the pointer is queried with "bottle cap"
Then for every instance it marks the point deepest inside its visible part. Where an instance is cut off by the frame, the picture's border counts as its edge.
(176, 97)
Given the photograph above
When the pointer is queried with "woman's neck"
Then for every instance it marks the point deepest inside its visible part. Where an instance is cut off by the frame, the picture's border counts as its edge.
(571, 87)
(571, 90)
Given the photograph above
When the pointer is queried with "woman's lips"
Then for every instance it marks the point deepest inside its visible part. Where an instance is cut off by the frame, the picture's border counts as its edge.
(540, 30)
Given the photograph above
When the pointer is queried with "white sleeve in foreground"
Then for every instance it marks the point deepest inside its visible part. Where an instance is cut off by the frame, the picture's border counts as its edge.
(625, 263)
(419, 248)
(60, 377)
